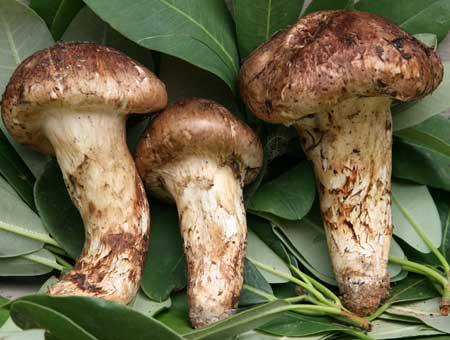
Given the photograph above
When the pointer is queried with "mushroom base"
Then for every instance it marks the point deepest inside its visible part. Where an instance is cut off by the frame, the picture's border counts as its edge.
(214, 229)
(350, 147)
(103, 183)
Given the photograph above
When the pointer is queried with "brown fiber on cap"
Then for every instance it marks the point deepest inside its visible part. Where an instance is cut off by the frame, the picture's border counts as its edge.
(197, 127)
(76, 75)
(327, 57)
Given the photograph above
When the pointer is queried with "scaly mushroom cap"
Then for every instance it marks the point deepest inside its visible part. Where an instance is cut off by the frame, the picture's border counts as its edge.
(76, 76)
(327, 57)
(197, 127)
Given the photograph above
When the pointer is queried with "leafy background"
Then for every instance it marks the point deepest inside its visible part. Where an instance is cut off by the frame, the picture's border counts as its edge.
(196, 47)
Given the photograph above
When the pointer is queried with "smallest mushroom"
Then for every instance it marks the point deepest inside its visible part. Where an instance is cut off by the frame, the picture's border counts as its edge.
(199, 155)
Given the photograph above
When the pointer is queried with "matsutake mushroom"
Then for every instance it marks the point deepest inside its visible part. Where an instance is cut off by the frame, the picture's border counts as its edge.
(72, 100)
(199, 155)
(333, 76)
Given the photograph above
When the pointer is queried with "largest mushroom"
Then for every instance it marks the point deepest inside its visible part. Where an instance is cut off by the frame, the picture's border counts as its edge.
(333, 76)
(72, 100)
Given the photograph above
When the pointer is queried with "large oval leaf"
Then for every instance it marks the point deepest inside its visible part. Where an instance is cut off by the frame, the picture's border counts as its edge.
(99, 318)
(22, 32)
(422, 153)
(321, 5)
(86, 26)
(258, 250)
(165, 268)
(253, 278)
(21, 230)
(15, 171)
(288, 196)
(28, 265)
(57, 13)
(198, 31)
(58, 214)
(257, 20)
(407, 115)
(32, 334)
(413, 212)
(431, 16)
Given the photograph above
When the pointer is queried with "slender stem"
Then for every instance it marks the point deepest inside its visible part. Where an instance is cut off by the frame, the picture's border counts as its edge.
(296, 299)
(29, 234)
(62, 261)
(293, 279)
(359, 335)
(379, 311)
(320, 287)
(423, 235)
(44, 261)
(413, 266)
(259, 292)
(56, 250)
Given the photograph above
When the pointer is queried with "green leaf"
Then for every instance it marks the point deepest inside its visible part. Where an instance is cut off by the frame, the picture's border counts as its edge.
(33, 264)
(239, 323)
(428, 39)
(29, 315)
(292, 324)
(21, 230)
(144, 305)
(253, 278)
(413, 288)
(321, 5)
(165, 268)
(57, 13)
(15, 171)
(413, 209)
(4, 313)
(32, 334)
(58, 214)
(198, 31)
(427, 311)
(257, 20)
(22, 32)
(289, 196)
(422, 153)
(384, 329)
(254, 335)
(103, 319)
(442, 200)
(86, 26)
(258, 250)
(431, 16)
(177, 317)
(408, 115)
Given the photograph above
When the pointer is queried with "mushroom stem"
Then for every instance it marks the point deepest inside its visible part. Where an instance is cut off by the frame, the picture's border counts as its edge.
(350, 147)
(103, 183)
(214, 229)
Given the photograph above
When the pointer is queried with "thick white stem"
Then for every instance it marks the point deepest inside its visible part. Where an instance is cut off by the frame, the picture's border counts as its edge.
(103, 183)
(214, 229)
(350, 147)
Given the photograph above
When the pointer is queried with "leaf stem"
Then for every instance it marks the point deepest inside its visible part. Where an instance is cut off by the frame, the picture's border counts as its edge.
(29, 234)
(423, 235)
(307, 286)
(62, 261)
(259, 292)
(320, 287)
(43, 261)
(424, 270)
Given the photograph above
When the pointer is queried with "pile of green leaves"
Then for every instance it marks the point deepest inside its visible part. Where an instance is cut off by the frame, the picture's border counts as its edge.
(196, 47)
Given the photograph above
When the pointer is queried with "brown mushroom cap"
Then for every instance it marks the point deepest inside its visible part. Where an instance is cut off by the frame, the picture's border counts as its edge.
(76, 76)
(197, 127)
(327, 57)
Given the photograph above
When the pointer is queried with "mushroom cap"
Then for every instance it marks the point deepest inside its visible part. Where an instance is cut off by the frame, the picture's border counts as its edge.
(329, 56)
(85, 77)
(197, 127)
